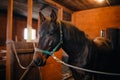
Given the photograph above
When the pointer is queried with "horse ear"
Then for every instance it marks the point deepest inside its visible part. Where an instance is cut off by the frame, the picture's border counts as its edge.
(53, 16)
(42, 18)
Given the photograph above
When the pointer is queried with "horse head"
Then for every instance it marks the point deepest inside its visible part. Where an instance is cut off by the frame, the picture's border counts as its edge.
(49, 38)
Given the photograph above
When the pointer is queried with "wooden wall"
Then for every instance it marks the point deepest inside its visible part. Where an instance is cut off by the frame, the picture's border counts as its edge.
(52, 70)
(3, 24)
(93, 20)
(25, 53)
(19, 23)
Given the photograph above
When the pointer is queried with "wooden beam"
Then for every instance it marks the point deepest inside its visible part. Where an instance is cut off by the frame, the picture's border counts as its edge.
(29, 19)
(60, 13)
(9, 37)
(58, 5)
(38, 27)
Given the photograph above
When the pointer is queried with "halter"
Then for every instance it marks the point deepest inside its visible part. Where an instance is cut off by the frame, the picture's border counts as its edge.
(54, 49)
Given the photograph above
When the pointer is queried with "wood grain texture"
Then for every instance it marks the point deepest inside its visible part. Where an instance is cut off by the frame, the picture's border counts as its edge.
(94, 20)
(52, 70)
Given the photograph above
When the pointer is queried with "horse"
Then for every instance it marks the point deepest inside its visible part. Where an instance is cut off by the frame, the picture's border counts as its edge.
(83, 52)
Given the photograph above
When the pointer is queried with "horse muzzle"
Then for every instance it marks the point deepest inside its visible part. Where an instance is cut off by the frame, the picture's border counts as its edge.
(39, 59)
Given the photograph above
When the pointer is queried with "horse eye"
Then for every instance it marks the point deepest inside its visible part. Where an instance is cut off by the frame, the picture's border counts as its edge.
(51, 32)
(40, 35)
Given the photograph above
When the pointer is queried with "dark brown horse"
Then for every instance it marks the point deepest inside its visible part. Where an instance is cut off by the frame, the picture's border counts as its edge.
(83, 52)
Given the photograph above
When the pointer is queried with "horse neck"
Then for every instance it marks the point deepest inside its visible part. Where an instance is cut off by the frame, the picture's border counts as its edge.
(74, 40)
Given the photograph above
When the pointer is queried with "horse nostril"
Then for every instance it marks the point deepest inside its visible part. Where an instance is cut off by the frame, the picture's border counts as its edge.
(38, 62)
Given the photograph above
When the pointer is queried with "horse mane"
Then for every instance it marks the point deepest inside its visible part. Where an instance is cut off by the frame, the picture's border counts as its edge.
(73, 33)
(79, 36)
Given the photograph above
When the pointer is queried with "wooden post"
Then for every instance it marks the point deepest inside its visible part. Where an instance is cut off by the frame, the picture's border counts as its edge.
(60, 14)
(29, 19)
(9, 37)
(38, 27)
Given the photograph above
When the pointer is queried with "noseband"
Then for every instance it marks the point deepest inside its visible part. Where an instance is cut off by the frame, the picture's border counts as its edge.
(54, 49)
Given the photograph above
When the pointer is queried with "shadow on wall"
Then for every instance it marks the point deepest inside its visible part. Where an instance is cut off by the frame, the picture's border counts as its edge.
(113, 34)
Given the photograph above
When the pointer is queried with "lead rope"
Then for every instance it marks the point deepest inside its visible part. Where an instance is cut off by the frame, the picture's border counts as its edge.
(18, 60)
(83, 69)
(27, 68)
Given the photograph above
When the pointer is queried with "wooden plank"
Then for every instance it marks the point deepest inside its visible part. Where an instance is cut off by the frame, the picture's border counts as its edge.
(29, 19)
(38, 27)
(60, 13)
(9, 37)
(52, 70)
(58, 5)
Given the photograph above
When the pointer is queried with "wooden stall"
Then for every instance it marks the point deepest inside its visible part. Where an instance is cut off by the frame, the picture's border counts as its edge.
(88, 16)
(94, 20)
(13, 70)
(25, 51)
